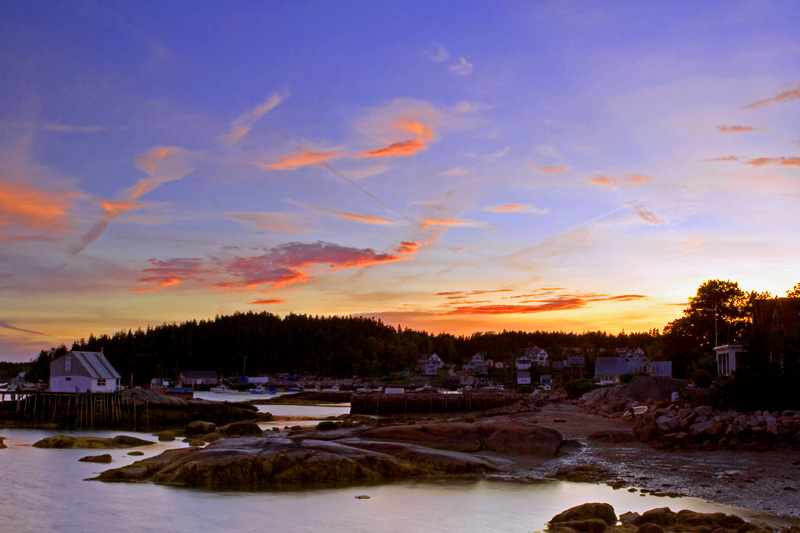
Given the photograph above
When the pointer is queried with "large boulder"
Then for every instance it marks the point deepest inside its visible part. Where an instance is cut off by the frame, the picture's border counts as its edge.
(457, 436)
(253, 462)
(587, 511)
(521, 439)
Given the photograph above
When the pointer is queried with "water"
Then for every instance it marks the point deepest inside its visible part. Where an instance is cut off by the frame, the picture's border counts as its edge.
(45, 490)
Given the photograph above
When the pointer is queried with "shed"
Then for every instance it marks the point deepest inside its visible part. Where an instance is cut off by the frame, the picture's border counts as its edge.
(83, 372)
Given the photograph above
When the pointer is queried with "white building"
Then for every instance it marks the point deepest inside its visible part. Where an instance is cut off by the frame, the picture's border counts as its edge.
(83, 372)
(433, 364)
(726, 358)
(537, 356)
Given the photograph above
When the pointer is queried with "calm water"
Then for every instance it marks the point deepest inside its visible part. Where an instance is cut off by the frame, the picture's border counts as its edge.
(44, 490)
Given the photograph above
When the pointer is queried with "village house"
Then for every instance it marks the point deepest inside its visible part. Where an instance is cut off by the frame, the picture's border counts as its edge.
(83, 372)
(477, 364)
(523, 363)
(432, 365)
(537, 356)
(523, 377)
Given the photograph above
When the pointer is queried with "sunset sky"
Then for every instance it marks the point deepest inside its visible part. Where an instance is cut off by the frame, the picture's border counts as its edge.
(453, 166)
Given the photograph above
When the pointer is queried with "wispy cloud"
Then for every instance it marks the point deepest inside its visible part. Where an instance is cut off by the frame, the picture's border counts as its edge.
(541, 306)
(725, 158)
(455, 171)
(169, 273)
(267, 301)
(289, 263)
(784, 96)
(628, 179)
(645, 215)
(438, 53)
(422, 135)
(162, 164)
(734, 129)
(67, 128)
(450, 223)
(552, 169)
(23, 207)
(244, 122)
(514, 208)
(774, 161)
(7, 325)
(269, 221)
(304, 158)
(462, 68)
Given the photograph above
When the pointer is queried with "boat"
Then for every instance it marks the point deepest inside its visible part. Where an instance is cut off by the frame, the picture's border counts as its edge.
(335, 388)
(221, 388)
(259, 390)
(362, 497)
(634, 411)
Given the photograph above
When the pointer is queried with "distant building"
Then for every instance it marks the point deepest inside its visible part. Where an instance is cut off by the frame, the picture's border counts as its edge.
(523, 377)
(430, 364)
(523, 363)
(726, 359)
(199, 378)
(537, 356)
(477, 364)
(83, 372)
(612, 368)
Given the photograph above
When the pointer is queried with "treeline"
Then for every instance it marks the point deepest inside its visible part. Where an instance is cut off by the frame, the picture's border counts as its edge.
(263, 343)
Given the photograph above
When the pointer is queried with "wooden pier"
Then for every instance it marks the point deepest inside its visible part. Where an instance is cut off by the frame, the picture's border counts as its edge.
(69, 410)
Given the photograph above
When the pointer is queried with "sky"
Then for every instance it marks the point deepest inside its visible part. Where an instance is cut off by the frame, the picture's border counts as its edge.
(448, 166)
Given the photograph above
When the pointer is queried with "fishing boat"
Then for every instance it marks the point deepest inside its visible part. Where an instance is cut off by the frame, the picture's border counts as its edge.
(220, 389)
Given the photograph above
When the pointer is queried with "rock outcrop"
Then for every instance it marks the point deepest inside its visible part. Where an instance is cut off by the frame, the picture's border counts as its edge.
(342, 455)
(685, 427)
(617, 398)
(512, 437)
(84, 442)
(600, 517)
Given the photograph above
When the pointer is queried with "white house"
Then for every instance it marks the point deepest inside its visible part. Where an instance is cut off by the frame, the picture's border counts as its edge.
(523, 363)
(537, 356)
(433, 364)
(478, 363)
(83, 372)
(523, 377)
(726, 358)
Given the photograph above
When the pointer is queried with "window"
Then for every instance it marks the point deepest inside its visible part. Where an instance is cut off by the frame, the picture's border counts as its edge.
(69, 379)
(101, 383)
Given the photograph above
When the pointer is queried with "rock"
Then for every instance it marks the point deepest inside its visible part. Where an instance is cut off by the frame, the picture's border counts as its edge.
(136, 453)
(649, 527)
(629, 518)
(521, 439)
(587, 511)
(663, 517)
(2, 444)
(105, 458)
(327, 425)
(65, 441)
(252, 462)
(458, 436)
(240, 429)
(166, 436)
(199, 427)
(592, 525)
(583, 474)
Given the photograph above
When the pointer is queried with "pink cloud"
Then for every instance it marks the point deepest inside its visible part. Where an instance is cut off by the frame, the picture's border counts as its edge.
(267, 301)
(287, 263)
(726, 158)
(628, 179)
(21, 205)
(552, 169)
(734, 129)
(304, 158)
(169, 273)
(645, 215)
(775, 161)
(785, 96)
(449, 223)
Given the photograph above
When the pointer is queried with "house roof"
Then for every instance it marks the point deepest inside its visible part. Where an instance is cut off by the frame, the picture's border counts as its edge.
(96, 365)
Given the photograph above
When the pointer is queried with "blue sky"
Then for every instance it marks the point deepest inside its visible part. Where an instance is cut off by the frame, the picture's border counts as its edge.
(447, 166)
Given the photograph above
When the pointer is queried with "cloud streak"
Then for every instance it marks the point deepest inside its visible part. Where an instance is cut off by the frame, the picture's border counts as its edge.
(7, 325)
(514, 208)
(734, 129)
(245, 122)
(629, 179)
(784, 96)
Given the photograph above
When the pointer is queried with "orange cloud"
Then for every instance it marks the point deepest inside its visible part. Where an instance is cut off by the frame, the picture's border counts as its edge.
(647, 216)
(775, 161)
(553, 304)
(26, 206)
(449, 223)
(423, 135)
(304, 158)
(169, 273)
(286, 264)
(552, 169)
(267, 301)
(149, 160)
(726, 158)
(734, 129)
(514, 208)
(366, 219)
(629, 179)
(785, 96)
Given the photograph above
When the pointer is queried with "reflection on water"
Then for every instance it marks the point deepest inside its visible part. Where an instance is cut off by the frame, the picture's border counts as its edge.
(44, 490)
